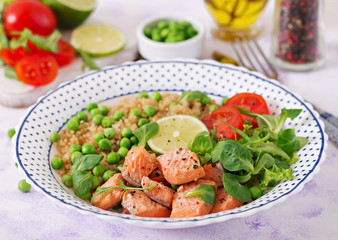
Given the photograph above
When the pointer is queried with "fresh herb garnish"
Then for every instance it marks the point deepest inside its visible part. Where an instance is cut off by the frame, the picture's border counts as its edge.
(104, 190)
(10, 73)
(205, 192)
(146, 132)
(87, 61)
(192, 95)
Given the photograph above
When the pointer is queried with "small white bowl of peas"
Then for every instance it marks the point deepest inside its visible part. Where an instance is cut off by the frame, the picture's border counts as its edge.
(169, 37)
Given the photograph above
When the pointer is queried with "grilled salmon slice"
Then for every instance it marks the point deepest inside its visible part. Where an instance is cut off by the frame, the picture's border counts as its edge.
(138, 163)
(160, 193)
(113, 196)
(157, 176)
(180, 166)
(139, 204)
(190, 206)
(224, 201)
(214, 172)
(125, 211)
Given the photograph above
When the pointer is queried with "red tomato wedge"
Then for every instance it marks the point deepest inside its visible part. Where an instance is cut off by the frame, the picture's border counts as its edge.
(223, 114)
(37, 69)
(252, 101)
(11, 57)
(65, 55)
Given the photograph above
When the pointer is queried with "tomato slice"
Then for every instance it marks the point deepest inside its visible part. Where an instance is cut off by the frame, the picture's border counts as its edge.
(37, 69)
(252, 101)
(223, 114)
(11, 57)
(66, 53)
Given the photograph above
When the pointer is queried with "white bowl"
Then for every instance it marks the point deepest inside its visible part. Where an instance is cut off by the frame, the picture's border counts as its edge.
(33, 148)
(151, 50)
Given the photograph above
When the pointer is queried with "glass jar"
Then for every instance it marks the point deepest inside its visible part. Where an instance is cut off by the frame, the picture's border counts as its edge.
(298, 37)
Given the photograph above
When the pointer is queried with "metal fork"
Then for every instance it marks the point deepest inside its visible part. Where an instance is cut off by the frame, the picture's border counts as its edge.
(250, 55)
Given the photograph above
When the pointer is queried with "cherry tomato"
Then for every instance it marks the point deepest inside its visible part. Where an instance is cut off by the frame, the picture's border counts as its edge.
(11, 57)
(252, 101)
(223, 114)
(37, 69)
(65, 55)
(30, 14)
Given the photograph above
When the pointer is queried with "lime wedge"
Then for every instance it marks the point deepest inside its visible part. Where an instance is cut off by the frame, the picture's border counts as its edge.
(71, 13)
(98, 40)
(174, 132)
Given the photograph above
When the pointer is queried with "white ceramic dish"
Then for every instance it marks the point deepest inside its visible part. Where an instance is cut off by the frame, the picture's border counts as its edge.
(33, 148)
(152, 50)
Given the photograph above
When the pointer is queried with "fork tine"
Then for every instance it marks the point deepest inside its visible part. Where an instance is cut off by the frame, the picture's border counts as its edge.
(237, 55)
(272, 68)
(253, 53)
(245, 52)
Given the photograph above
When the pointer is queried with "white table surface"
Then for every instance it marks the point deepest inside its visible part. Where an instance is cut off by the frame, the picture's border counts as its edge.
(310, 214)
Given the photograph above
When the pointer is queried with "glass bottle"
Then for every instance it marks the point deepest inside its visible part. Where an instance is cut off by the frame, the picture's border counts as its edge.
(298, 42)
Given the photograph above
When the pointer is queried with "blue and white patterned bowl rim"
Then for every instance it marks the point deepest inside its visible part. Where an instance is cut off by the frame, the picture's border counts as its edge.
(187, 222)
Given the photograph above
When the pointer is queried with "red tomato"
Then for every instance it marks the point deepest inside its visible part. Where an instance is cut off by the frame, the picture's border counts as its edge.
(252, 101)
(11, 57)
(37, 69)
(30, 14)
(66, 53)
(223, 114)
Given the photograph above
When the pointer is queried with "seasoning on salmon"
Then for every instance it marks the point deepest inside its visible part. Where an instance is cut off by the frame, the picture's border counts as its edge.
(214, 172)
(157, 176)
(138, 163)
(190, 206)
(139, 204)
(113, 196)
(223, 201)
(180, 166)
(160, 193)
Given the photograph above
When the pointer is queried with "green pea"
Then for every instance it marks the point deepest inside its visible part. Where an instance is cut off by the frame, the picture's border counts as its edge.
(75, 148)
(57, 163)
(224, 100)
(107, 174)
(212, 108)
(107, 122)
(97, 119)
(24, 186)
(162, 24)
(88, 148)
(147, 31)
(164, 32)
(109, 133)
(191, 32)
(185, 24)
(94, 112)
(156, 96)
(104, 110)
(156, 35)
(113, 158)
(134, 140)
(82, 116)
(173, 104)
(11, 133)
(99, 169)
(178, 37)
(173, 26)
(142, 121)
(98, 137)
(105, 144)
(136, 112)
(73, 124)
(74, 155)
(173, 186)
(122, 152)
(149, 111)
(118, 115)
(67, 180)
(91, 106)
(54, 137)
(256, 192)
(96, 182)
(126, 132)
(85, 196)
(118, 168)
(144, 95)
(205, 100)
(133, 146)
(125, 142)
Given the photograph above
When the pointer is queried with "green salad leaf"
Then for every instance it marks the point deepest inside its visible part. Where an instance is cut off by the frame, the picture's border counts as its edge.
(205, 192)
(275, 175)
(146, 132)
(192, 95)
(235, 188)
(82, 182)
(86, 162)
(10, 73)
(202, 145)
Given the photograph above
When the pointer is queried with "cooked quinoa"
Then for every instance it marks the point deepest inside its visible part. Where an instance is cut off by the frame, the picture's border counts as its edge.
(88, 130)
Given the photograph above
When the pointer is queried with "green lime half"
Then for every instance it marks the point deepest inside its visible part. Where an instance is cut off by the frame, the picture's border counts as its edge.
(71, 13)
(98, 40)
